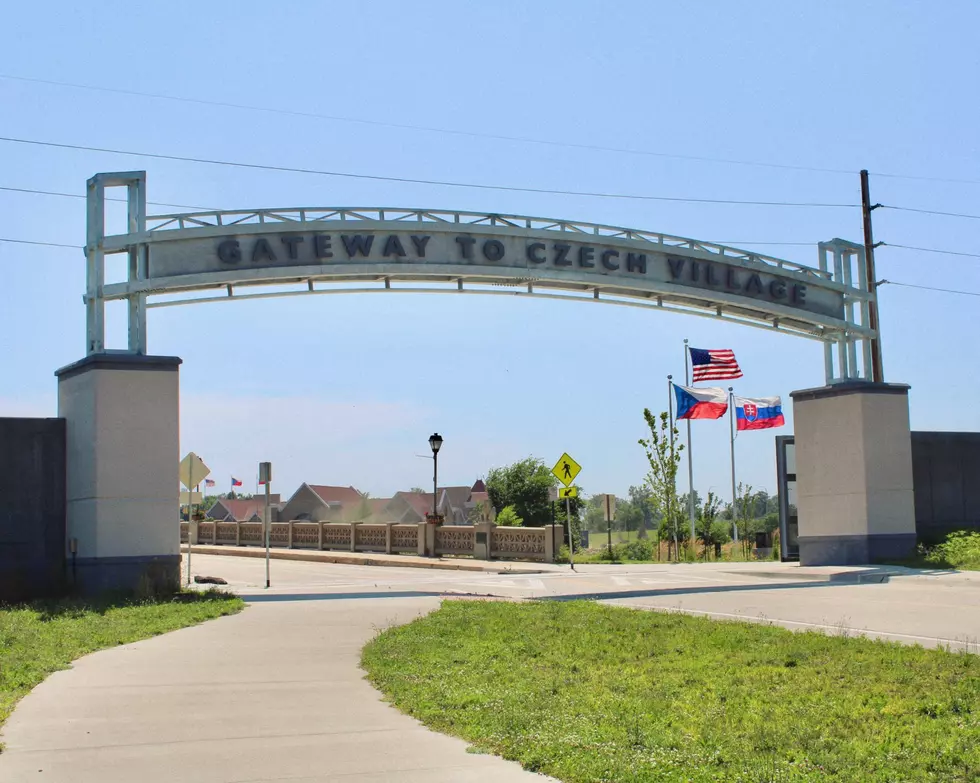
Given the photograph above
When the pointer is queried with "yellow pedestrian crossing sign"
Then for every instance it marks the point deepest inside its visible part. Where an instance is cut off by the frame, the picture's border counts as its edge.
(566, 469)
(568, 492)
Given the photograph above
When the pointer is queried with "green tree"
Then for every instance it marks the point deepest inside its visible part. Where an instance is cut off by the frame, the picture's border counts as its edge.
(664, 455)
(508, 517)
(640, 498)
(744, 511)
(629, 516)
(710, 529)
(525, 485)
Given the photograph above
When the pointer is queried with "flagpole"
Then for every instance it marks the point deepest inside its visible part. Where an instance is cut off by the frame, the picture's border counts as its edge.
(673, 490)
(731, 427)
(690, 458)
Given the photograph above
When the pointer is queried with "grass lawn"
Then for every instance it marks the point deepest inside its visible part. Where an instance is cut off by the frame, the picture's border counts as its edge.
(586, 693)
(43, 637)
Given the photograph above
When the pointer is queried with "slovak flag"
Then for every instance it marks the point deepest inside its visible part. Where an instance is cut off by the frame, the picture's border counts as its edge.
(707, 403)
(235, 482)
(759, 414)
(209, 482)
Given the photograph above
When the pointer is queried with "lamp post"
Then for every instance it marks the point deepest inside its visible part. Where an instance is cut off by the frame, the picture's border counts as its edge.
(435, 443)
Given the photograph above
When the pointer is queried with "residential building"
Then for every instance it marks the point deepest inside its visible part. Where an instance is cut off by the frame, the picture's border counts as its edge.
(321, 503)
(243, 509)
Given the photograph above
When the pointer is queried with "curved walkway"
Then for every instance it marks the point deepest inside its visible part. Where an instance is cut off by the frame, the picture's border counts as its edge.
(271, 694)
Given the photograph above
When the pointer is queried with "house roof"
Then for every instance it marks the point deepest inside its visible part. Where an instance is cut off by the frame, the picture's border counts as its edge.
(330, 494)
(242, 510)
(378, 504)
(478, 486)
(457, 495)
(421, 502)
(478, 497)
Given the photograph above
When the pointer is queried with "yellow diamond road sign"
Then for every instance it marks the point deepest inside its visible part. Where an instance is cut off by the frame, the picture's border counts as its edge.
(566, 469)
(568, 492)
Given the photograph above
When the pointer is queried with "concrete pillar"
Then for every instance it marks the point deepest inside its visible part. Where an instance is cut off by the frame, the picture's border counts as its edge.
(430, 539)
(122, 418)
(481, 538)
(549, 543)
(421, 538)
(854, 473)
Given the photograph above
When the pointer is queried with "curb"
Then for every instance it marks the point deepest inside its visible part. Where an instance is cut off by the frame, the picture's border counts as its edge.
(329, 557)
(869, 576)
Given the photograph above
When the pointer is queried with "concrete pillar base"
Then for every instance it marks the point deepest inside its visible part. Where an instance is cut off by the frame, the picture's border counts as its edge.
(121, 416)
(147, 575)
(854, 491)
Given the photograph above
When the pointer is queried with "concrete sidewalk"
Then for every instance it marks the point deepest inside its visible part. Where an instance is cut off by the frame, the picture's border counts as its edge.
(376, 559)
(271, 694)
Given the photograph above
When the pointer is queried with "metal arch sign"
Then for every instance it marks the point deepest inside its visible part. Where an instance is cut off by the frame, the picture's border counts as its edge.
(326, 250)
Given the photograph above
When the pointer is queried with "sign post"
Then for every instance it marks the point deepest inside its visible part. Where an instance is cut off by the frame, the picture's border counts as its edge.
(192, 471)
(265, 478)
(565, 470)
(609, 511)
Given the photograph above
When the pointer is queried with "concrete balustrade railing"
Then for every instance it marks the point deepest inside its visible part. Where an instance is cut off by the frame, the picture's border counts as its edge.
(483, 541)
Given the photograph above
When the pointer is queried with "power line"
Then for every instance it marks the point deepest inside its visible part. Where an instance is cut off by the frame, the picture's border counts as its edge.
(929, 288)
(413, 181)
(79, 195)
(947, 180)
(426, 128)
(477, 134)
(933, 250)
(930, 212)
(35, 242)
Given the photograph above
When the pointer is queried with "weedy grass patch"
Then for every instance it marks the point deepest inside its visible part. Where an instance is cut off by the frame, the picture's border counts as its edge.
(586, 692)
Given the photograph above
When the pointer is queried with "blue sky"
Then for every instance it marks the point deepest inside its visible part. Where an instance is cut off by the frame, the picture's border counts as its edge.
(340, 389)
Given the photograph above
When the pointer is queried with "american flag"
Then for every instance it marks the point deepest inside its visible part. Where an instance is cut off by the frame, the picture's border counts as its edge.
(714, 365)
(209, 482)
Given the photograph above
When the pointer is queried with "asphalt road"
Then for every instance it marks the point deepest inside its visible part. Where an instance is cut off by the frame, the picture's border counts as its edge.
(936, 608)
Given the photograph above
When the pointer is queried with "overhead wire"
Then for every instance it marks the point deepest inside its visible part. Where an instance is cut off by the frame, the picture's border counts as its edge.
(929, 288)
(107, 198)
(477, 134)
(930, 212)
(425, 128)
(418, 181)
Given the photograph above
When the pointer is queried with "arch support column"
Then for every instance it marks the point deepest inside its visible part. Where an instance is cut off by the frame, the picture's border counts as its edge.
(122, 418)
(854, 491)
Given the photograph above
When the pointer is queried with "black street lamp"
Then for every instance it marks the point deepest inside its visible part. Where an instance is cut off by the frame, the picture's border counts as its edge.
(435, 443)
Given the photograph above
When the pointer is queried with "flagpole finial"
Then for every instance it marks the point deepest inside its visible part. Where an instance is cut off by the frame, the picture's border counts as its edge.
(730, 388)
(670, 377)
(685, 341)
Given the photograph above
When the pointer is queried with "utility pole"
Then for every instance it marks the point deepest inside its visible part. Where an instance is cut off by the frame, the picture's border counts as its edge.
(877, 374)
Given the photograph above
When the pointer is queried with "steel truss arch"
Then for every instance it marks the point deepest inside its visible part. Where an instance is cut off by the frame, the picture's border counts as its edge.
(173, 261)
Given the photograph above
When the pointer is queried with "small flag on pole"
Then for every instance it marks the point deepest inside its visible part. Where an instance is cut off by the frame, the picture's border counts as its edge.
(235, 482)
(209, 482)
(759, 414)
(708, 403)
(714, 365)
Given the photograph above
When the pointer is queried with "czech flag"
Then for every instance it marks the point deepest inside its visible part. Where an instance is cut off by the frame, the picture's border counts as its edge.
(707, 403)
(759, 414)
(235, 482)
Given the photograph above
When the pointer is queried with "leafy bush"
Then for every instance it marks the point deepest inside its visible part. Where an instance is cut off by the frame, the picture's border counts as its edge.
(508, 517)
(961, 549)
